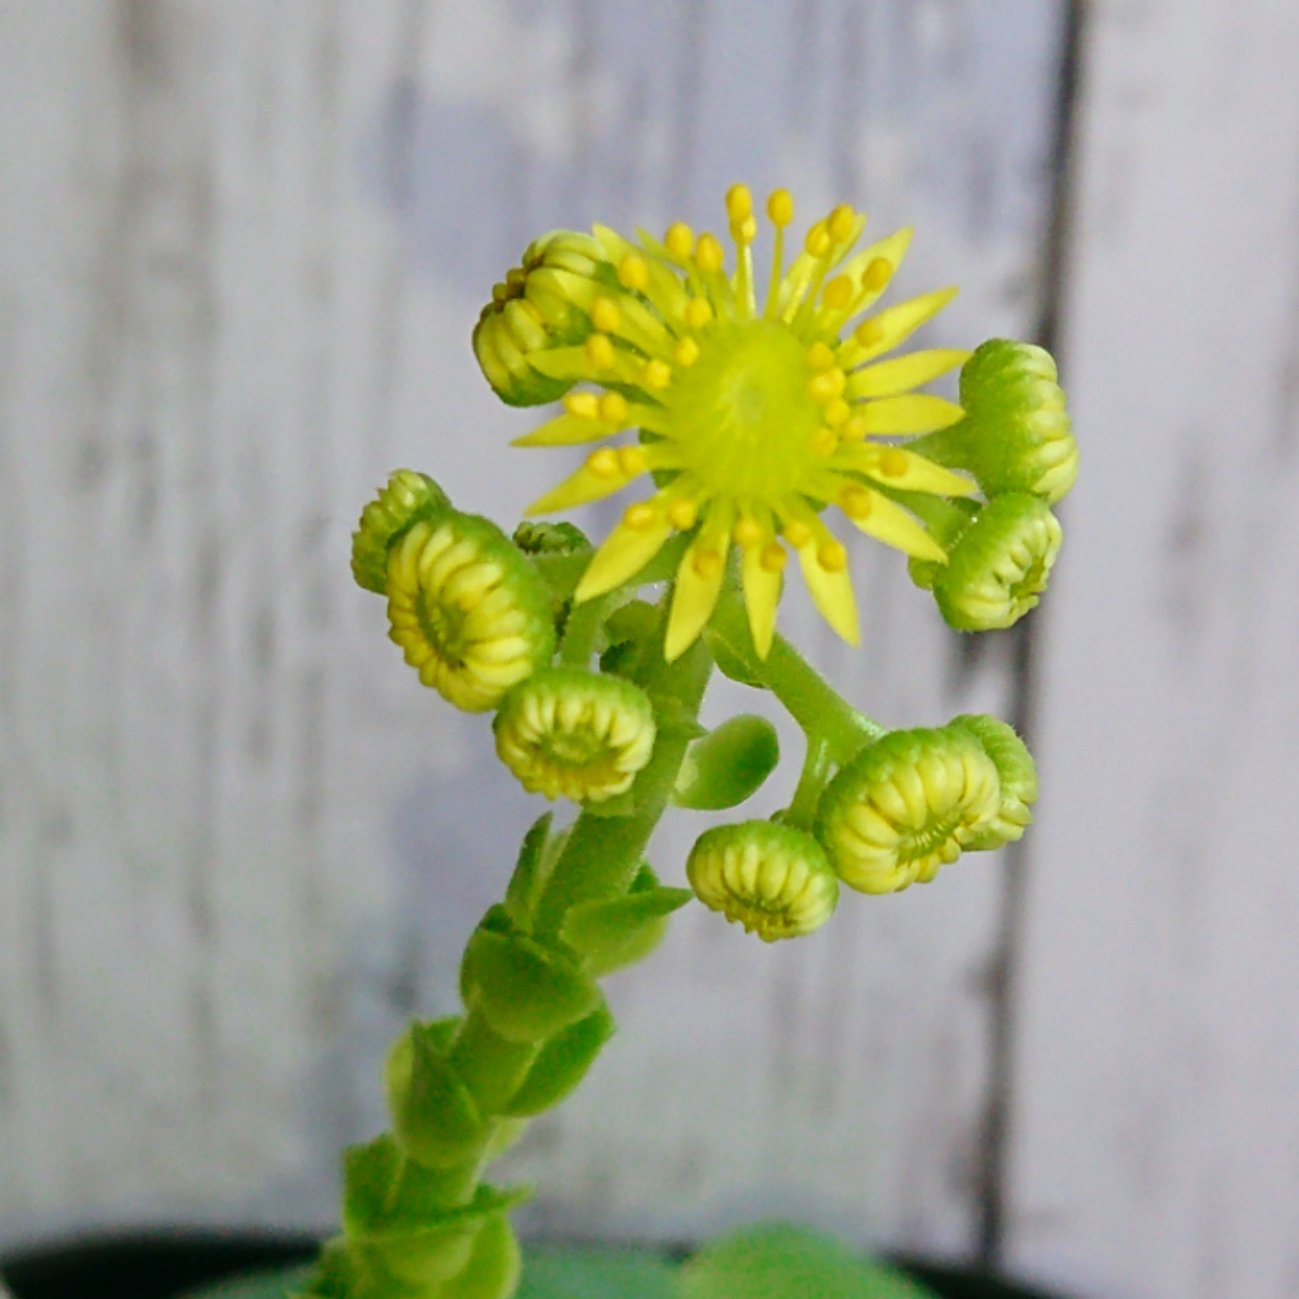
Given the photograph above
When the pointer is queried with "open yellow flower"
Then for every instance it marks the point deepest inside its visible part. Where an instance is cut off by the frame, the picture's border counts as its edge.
(751, 419)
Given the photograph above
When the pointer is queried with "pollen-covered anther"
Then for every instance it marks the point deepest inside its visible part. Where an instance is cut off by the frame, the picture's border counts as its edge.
(603, 463)
(639, 517)
(817, 241)
(855, 502)
(876, 276)
(774, 558)
(679, 240)
(780, 208)
(686, 352)
(633, 272)
(820, 358)
(707, 563)
(656, 374)
(832, 556)
(582, 405)
(683, 514)
(837, 413)
(841, 222)
(709, 255)
(870, 333)
(606, 315)
(631, 461)
(747, 533)
(854, 429)
(892, 463)
(613, 408)
(567, 732)
(838, 293)
(906, 806)
(772, 879)
(824, 441)
(599, 352)
(698, 313)
(797, 533)
(825, 387)
(739, 203)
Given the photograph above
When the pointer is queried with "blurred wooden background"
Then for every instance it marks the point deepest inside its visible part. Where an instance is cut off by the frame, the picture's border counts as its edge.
(241, 247)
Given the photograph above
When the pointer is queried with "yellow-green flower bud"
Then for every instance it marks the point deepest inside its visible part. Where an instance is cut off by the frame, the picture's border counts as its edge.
(532, 309)
(772, 879)
(999, 565)
(576, 734)
(469, 612)
(407, 498)
(1016, 436)
(549, 538)
(1017, 775)
(906, 806)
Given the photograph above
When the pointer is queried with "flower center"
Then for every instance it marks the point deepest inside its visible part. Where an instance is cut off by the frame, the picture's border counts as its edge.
(742, 415)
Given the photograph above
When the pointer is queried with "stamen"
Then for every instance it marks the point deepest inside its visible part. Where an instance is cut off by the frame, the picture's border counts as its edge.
(679, 240)
(797, 533)
(613, 408)
(698, 313)
(820, 357)
(838, 293)
(707, 563)
(854, 429)
(639, 517)
(739, 203)
(837, 413)
(841, 223)
(780, 208)
(774, 557)
(656, 374)
(603, 463)
(877, 275)
(825, 387)
(599, 351)
(709, 256)
(683, 514)
(893, 463)
(816, 243)
(633, 271)
(748, 532)
(824, 442)
(832, 556)
(855, 502)
(582, 405)
(605, 315)
(686, 352)
(869, 333)
(632, 461)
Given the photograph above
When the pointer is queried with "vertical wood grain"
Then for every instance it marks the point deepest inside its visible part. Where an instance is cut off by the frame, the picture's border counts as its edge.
(241, 260)
(1156, 1144)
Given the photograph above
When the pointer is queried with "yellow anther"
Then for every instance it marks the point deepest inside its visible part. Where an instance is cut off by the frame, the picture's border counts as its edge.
(837, 412)
(599, 351)
(893, 463)
(838, 293)
(686, 352)
(605, 315)
(680, 240)
(698, 313)
(853, 428)
(817, 240)
(603, 463)
(877, 275)
(855, 502)
(744, 232)
(682, 514)
(780, 210)
(707, 563)
(748, 532)
(797, 533)
(708, 253)
(824, 441)
(832, 556)
(774, 557)
(613, 408)
(582, 405)
(869, 333)
(631, 460)
(656, 374)
(639, 517)
(841, 223)
(820, 357)
(633, 271)
(828, 385)
(739, 202)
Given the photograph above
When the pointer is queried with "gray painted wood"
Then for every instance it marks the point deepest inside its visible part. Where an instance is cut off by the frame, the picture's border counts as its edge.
(243, 245)
(1155, 1147)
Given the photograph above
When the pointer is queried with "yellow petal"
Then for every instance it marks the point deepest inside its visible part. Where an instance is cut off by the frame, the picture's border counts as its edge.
(895, 325)
(903, 469)
(892, 248)
(699, 582)
(566, 431)
(624, 553)
(580, 488)
(914, 413)
(830, 585)
(905, 372)
(888, 522)
(761, 598)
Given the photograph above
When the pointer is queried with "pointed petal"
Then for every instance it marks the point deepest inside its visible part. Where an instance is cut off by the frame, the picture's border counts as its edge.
(623, 554)
(892, 248)
(897, 467)
(699, 583)
(580, 488)
(830, 585)
(895, 325)
(888, 522)
(761, 598)
(905, 372)
(913, 413)
(566, 431)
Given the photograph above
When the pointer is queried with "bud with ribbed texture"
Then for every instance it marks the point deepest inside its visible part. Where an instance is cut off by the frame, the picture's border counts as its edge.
(407, 498)
(468, 610)
(1017, 775)
(772, 879)
(567, 732)
(1016, 436)
(906, 806)
(534, 308)
(999, 565)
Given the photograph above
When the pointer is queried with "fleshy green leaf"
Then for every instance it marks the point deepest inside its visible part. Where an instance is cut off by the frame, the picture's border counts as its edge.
(562, 1064)
(596, 1274)
(527, 992)
(529, 873)
(780, 1262)
(621, 931)
(729, 764)
(434, 1114)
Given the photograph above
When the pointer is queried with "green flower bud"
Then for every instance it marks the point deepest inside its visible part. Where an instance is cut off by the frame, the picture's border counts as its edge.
(577, 734)
(434, 1116)
(1016, 436)
(549, 538)
(999, 565)
(532, 309)
(407, 498)
(467, 609)
(1017, 776)
(906, 806)
(772, 879)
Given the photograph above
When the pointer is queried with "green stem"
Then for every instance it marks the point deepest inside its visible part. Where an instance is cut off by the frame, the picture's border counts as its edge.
(816, 771)
(820, 710)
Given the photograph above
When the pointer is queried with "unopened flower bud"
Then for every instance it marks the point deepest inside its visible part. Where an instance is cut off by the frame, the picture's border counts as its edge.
(406, 498)
(468, 610)
(1017, 777)
(532, 310)
(999, 565)
(906, 806)
(549, 538)
(1016, 436)
(772, 879)
(567, 732)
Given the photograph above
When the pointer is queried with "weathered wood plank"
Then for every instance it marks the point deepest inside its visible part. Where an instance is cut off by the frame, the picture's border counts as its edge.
(1156, 1148)
(240, 844)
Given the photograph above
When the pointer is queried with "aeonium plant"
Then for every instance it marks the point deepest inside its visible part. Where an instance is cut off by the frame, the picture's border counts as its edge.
(748, 423)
